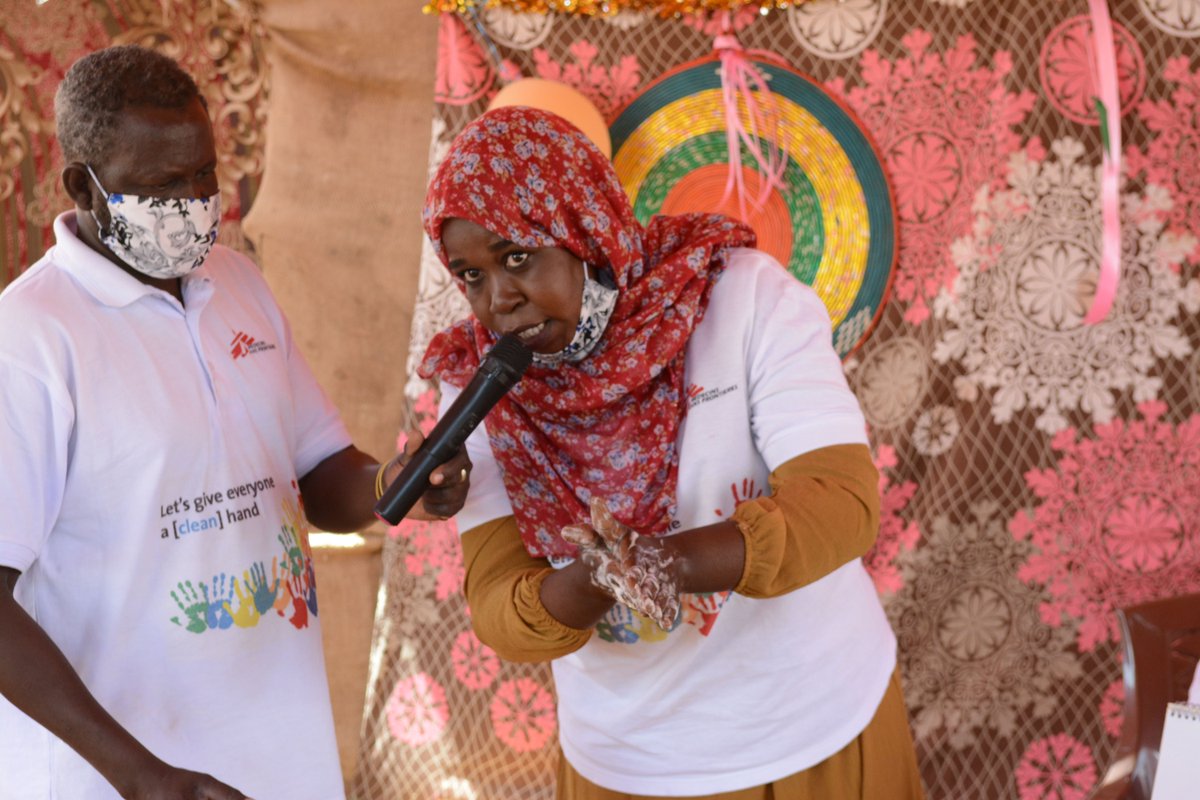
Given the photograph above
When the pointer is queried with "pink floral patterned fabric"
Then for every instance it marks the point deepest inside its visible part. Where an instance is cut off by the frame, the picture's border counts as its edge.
(946, 123)
(1114, 525)
(533, 178)
(1056, 768)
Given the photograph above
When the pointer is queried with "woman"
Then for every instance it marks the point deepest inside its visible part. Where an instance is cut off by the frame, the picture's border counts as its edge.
(684, 398)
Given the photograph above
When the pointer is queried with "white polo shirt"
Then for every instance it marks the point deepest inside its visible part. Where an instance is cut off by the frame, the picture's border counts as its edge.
(149, 454)
(743, 691)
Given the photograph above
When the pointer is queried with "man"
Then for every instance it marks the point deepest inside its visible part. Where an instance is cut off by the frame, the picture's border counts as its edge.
(161, 445)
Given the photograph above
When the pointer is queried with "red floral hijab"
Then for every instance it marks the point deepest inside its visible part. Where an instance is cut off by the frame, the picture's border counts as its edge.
(608, 424)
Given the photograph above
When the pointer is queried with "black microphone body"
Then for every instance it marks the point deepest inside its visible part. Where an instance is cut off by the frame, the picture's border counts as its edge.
(502, 367)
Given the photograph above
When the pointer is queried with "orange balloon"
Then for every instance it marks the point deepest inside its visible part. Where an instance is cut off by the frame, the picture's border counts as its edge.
(561, 99)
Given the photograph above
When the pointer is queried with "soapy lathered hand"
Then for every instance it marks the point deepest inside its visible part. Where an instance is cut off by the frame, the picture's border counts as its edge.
(636, 570)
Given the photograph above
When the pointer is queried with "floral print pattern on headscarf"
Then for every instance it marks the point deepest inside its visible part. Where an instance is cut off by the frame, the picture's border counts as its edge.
(607, 425)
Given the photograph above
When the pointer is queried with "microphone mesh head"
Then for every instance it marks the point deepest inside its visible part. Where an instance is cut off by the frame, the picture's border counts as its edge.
(512, 353)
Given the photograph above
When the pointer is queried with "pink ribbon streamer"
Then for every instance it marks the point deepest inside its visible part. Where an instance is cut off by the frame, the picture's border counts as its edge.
(741, 79)
(1109, 108)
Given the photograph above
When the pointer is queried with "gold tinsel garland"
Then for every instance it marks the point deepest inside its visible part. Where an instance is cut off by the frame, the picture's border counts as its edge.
(591, 8)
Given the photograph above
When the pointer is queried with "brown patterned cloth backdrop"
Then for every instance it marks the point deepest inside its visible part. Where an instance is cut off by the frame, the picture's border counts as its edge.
(217, 41)
(1036, 473)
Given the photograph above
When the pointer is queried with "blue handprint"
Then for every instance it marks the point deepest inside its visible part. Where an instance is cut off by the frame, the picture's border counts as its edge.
(192, 606)
(218, 615)
(256, 584)
(618, 625)
(310, 587)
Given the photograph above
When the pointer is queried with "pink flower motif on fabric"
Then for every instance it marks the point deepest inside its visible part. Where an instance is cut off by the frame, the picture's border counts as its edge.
(1112, 708)
(1177, 125)
(926, 169)
(713, 24)
(433, 546)
(425, 411)
(946, 126)
(610, 88)
(475, 664)
(523, 715)
(1066, 69)
(895, 535)
(1058, 767)
(417, 711)
(1119, 521)
(464, 73)
(1143, 534)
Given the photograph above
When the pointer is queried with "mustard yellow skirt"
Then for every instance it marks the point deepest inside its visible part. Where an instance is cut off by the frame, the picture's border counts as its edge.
(881, 764)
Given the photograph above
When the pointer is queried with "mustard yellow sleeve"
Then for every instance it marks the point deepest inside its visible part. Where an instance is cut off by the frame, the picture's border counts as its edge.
(823, 512)
(503, 586)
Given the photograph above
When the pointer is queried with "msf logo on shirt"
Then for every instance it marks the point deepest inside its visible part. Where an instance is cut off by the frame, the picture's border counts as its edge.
(698, 394)
(244, 344)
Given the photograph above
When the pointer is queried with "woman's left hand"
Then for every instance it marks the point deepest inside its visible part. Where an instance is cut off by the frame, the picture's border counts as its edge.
(638, 571)
(448, 483)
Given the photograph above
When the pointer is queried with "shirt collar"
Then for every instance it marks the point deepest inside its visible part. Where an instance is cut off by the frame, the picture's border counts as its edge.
(101, 278)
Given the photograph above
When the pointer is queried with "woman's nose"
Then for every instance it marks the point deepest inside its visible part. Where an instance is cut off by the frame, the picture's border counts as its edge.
(505, 296)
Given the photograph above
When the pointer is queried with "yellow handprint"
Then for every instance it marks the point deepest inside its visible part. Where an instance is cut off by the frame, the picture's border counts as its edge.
(247, 614)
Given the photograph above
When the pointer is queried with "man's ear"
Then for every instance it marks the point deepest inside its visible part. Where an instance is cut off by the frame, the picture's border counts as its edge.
(78, 184)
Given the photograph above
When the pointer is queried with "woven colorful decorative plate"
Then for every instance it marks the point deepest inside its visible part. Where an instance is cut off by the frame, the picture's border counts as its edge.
(833, 225)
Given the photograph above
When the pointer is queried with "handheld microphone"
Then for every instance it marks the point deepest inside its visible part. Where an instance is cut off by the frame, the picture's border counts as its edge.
(501, 369)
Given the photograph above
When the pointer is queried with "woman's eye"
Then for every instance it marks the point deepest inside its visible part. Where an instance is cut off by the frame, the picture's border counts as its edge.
(469, 276)
(515, 259)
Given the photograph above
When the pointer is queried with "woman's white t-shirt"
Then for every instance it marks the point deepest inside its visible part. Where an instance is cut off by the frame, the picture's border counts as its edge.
(744, 691)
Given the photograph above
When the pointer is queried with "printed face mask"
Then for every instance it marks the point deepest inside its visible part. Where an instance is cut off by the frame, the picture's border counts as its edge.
(597, 308)
(160, 237)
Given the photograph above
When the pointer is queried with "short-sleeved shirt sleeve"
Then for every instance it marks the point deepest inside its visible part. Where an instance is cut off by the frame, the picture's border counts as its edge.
(798, 393)
(35, 430)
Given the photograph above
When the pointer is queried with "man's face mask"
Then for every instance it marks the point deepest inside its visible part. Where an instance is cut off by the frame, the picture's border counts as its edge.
(597, 308)
(160, 237)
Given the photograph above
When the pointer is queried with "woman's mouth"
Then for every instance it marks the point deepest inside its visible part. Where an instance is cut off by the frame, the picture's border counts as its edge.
(529, 334)
(539, 338)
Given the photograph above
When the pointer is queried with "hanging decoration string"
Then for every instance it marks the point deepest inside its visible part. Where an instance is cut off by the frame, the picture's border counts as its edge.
(743, 85)
(486, 38)
(1108, 106)
(591, 8)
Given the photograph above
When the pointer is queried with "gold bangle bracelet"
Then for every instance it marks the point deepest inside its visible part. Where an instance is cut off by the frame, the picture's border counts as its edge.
(379, 482)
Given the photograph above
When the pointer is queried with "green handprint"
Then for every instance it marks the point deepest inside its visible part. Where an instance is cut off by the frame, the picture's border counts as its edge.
(293, 555)
(192, 606)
